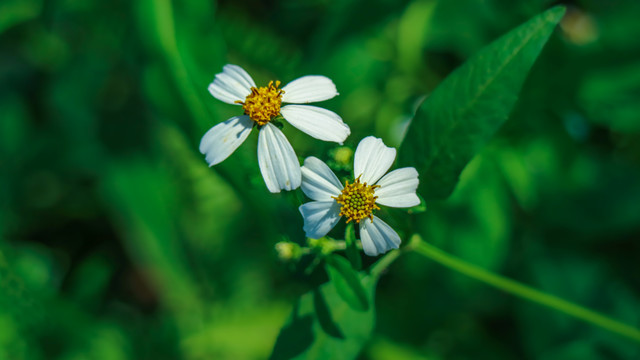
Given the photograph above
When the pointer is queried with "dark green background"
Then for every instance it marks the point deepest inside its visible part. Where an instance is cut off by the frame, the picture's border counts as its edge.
(118, 242)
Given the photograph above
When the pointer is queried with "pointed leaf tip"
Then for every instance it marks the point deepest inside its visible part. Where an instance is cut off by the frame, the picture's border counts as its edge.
(556, 13)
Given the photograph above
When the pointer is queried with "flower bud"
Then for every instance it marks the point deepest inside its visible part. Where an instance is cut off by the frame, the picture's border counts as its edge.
(288, 250)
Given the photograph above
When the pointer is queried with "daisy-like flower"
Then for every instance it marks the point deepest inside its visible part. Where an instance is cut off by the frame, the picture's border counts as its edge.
(278, 162)
(356, 201)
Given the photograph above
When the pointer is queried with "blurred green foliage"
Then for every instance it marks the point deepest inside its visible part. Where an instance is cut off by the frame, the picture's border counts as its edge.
(118, 242)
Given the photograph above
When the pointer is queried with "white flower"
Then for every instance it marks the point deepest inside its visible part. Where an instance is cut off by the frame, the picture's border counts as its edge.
(356, 201)
(278, 162)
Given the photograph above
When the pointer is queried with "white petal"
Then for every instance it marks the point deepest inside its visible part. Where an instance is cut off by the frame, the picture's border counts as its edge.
(223, 139)
(278, 162)
(239, 74)
(377, 237)
(318, 181)
(398, 188)
(309, 89)
(319, 217)
(232, 84)
(372, 159)
(320, 123)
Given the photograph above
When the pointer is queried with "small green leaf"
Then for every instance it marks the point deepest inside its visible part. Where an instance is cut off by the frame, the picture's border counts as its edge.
(470, 105)
(353, 253)
(347, 282)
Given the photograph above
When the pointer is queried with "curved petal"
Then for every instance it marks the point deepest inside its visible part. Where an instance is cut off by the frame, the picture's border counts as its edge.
(309, 89)
(239, 74)
(318, 181)
(232, 84)
(223, 139)
(372, 159)
(319, 217)
(398, 188)
(278, 162)
(320, 123)
(377, 237)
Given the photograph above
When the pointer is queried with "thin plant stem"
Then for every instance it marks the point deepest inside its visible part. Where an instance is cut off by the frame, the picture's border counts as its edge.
(384, 262)
(515, 288)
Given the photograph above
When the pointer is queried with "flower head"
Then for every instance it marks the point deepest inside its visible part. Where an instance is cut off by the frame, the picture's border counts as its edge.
(277, 160)
(263, 104)
(357, 200)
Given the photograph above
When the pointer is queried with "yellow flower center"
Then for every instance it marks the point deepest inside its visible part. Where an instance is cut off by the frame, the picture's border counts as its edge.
(357, 200)
(263, 104)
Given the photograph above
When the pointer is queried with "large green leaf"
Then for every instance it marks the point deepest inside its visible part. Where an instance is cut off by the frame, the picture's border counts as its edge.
(469, 106)
(323, 326)
(347, 282)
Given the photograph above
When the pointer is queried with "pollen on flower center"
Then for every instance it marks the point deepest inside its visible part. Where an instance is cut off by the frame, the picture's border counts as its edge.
(357, 200)
(263, 104)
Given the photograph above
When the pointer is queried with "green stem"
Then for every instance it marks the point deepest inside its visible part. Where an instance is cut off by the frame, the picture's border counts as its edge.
(523, 291)
(384, 262)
